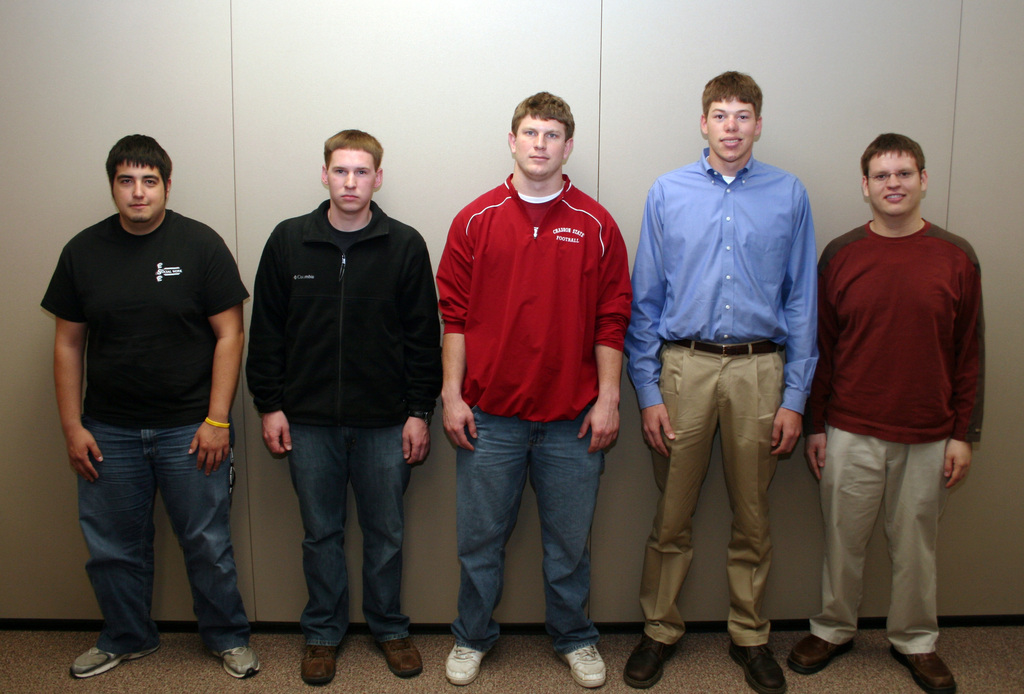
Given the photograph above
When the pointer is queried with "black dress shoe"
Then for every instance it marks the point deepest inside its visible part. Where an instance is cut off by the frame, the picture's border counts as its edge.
(644, 667)
(763, 674)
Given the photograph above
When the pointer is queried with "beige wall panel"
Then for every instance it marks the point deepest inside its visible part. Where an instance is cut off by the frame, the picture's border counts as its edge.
(833, 78)
(437, 85)
(75, 77)
(981, 555)
(243, 94)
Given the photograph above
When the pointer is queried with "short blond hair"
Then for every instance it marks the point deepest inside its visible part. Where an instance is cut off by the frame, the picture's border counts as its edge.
(357, 140)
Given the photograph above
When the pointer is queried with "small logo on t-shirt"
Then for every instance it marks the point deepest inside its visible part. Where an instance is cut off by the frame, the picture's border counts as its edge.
(162, 272)
(568, 235)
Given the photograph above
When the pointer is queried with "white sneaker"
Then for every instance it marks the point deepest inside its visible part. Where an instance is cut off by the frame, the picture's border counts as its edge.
(95, 662)
(240, 662)
(586, 666)
(463, 665)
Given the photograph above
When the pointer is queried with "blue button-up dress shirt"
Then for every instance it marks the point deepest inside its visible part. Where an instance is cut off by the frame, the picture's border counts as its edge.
(725, 263)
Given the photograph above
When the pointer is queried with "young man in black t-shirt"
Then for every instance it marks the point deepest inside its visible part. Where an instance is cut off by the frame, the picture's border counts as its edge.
(152, 302)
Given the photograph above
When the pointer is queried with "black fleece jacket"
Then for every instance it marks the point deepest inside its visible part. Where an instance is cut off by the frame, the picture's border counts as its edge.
(344, 339)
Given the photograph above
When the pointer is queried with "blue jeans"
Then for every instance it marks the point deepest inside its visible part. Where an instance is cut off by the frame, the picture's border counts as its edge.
(490, 482)
(323, 461)
(116, 515)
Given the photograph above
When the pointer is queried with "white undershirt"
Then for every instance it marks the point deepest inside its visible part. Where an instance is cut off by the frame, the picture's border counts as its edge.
(540, 201)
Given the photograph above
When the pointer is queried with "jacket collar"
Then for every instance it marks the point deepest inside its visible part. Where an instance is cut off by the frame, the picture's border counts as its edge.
(320, 229)
(566, 185)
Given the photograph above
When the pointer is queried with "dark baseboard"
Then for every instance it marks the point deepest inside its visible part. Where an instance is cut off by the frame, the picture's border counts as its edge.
(1007, 620)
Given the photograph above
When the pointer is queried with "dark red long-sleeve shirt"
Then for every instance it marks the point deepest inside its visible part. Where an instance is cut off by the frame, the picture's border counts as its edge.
(900, 336)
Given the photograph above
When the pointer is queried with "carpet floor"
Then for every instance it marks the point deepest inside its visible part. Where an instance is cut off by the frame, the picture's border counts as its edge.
(987, 660)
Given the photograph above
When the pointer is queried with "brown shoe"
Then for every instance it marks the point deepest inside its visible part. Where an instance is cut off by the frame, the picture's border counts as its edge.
(930, 673)
(402, 656)
(761, 671)
(318, 664)
(644, 667)
(812, 654)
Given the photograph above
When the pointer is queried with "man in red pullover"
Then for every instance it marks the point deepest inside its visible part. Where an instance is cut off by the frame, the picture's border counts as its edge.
(897, 398)
(535, 295)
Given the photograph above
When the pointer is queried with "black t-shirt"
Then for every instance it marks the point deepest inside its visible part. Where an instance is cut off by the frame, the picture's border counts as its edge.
(344, 240)
(146, 300)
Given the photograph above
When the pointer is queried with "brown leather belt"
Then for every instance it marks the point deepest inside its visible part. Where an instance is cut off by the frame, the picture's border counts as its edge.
(762, 347)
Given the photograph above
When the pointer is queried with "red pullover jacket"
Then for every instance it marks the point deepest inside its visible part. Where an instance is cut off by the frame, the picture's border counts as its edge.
(534, 302)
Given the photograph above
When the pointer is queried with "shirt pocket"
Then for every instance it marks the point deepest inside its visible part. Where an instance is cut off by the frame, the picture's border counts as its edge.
(767, 257)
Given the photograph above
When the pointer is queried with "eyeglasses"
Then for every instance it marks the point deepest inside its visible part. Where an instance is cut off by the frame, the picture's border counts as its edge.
(900, 176)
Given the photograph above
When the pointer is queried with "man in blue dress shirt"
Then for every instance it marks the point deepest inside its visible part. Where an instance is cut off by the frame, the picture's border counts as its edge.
(722, 335)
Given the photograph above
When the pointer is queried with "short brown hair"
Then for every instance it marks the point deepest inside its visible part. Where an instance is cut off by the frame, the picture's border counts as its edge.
(354, 139)
(894, 143)
(138, 150)
(732, 85)
(544, 106)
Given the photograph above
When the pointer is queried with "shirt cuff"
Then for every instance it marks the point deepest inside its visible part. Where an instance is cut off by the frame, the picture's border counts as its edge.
(649, 396)
(793, 399)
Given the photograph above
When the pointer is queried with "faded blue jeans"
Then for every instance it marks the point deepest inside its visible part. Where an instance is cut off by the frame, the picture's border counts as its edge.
(116, 515)
(323, 461)
(490, 482)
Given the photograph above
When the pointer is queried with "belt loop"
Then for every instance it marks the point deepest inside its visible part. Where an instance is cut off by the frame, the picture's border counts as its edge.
(693, 347)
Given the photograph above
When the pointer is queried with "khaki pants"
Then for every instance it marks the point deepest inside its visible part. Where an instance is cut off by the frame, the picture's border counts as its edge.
(861, 474)
(702, 392)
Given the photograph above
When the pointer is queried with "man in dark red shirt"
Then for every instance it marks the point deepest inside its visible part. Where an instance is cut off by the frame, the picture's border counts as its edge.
(897, 398)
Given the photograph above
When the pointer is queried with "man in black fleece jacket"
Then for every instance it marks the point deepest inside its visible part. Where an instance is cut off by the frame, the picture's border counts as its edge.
(345, 366)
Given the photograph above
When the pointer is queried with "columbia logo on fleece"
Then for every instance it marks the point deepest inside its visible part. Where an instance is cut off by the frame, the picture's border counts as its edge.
(303, 277)
(568, 235)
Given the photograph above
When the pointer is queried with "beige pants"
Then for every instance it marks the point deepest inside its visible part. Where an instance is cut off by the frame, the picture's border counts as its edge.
(861, 474)
(741, 396)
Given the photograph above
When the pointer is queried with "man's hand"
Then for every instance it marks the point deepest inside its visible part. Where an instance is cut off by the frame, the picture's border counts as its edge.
(603, 422)
(957, 461)
(785, 431)
(457, 417)
(655, 426)
(212, 446)
(68, 367)
(458, 421)
(81, 443)
(814, 451)
(276, 433)
(415, 440)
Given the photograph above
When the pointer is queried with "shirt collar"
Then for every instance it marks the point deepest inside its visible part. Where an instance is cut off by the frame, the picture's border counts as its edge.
(715, 175)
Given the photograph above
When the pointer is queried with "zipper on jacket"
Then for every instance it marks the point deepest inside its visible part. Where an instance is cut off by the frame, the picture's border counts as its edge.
(547, 212)
(341, 322)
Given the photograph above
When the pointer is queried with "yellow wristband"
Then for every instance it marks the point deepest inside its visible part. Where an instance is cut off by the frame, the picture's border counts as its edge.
(219, 425)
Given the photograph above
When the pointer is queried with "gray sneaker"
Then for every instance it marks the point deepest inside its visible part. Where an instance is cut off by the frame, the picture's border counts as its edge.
(96, 662)
(239, 662)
